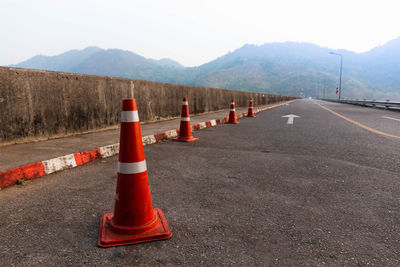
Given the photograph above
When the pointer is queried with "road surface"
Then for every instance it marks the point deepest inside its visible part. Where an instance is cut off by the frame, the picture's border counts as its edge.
(320, 191)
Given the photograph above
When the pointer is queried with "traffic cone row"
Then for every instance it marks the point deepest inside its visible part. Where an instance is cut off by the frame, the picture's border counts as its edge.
(232, 113)
(250, 112)
(185, 131)
(134, 219)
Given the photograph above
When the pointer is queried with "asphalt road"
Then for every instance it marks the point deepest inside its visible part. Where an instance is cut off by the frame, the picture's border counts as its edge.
(16, 155)
(320, 191)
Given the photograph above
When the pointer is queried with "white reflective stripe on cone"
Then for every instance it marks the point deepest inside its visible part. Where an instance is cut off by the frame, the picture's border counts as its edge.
(233, 103)
(129, 116)
(232, 109)
(185, 119)
(250, 107)
(185, 103)
(132, 167)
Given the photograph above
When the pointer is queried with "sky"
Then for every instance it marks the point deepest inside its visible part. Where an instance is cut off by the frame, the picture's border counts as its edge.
(190, 32)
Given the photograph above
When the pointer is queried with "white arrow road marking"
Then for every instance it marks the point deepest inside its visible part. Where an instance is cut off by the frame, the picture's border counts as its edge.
(390, 118)
(290, 118)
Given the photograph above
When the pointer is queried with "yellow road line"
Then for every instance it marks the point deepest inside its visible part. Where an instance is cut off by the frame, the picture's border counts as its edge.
(357, 123)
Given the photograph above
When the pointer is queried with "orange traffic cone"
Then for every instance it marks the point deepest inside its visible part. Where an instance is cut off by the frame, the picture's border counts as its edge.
(185, 131)
(232, 113)
(250, 112)
(134, 220)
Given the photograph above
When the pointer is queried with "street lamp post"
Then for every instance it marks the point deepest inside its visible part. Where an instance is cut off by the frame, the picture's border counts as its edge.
(340, 77)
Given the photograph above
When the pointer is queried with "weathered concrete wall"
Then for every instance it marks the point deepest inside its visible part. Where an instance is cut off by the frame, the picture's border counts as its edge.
(39, 104)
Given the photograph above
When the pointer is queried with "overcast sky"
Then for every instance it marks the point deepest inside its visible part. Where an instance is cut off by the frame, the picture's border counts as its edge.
(190, 32)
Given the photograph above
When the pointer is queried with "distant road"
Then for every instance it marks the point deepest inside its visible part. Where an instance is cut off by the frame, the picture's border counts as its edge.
(322, 190)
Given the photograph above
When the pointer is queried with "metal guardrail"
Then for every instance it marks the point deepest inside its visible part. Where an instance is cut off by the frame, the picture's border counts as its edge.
(368, 103)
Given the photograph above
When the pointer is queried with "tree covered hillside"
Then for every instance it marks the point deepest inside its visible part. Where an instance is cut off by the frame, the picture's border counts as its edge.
(297, 69)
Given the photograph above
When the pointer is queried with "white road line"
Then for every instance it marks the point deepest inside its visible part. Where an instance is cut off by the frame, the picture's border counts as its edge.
(290, 118)
(390, 118)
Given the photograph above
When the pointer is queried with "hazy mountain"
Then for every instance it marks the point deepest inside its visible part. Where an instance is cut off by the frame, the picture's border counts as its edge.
(64, 62)
(166, 62)
(119, 63)
(282, 68)
(292, 68)
(111, 62)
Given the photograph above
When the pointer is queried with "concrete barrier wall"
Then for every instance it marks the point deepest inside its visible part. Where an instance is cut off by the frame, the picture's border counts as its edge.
(40, 104)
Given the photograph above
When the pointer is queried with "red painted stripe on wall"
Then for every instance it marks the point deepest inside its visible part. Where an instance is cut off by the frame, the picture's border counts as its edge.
(160, 136)
(30, 171)
(196, 127)
(87, 156)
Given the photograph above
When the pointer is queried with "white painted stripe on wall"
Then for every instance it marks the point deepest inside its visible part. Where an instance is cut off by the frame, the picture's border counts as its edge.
(185, 103)
(213, 122)
(202, 125)
(185, 119)
(58, 164)
(110, 150)
(129, 116)
(132, 167)
(171, 133)
(149, 139)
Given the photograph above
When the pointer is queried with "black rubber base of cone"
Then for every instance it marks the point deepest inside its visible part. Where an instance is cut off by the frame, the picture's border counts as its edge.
(108, 238)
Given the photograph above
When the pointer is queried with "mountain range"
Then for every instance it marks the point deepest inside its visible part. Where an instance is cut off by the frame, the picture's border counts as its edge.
(297, 69)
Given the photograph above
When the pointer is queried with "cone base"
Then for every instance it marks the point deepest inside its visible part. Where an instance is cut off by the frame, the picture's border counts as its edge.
(251, 116)
(236, 122)
(185, 139)
(108, 238)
